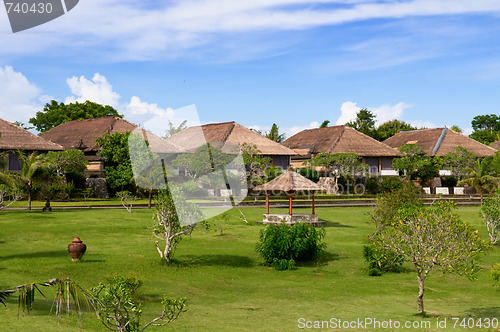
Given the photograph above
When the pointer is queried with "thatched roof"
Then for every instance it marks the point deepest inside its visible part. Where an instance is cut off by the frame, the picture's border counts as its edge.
(439, 141)
(14, 138)
(289, 181)
(496, 145)
(227, 134)
(338, 139)
(71, 133)
(82, 134)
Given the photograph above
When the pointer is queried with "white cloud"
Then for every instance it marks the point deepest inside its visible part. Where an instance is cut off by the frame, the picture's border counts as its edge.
(133, 30)
(296, 129)
(348, 112)
(388, 112)
(139, 107)
(97, 90)
(383, 113)
(19, 99)
(423, 124)
(467, 131)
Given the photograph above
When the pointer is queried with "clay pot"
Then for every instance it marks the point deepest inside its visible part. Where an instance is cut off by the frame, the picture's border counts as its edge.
(76, 249)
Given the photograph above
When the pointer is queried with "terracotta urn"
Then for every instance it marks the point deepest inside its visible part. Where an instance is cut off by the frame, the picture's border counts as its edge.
(76, 249)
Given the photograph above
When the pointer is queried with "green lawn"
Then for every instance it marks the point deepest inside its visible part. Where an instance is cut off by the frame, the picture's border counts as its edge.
(227, 287)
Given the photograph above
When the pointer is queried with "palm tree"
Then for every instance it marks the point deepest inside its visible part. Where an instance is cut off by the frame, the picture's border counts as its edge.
(480, 177)
(31, 164)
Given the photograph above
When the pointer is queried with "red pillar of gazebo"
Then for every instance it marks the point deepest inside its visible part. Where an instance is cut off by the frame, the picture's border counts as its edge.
(313, 203)
(267, 203)
(290, 204)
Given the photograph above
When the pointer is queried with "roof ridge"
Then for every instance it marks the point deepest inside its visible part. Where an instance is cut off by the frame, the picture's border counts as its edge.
(440, 141)
(338, 139)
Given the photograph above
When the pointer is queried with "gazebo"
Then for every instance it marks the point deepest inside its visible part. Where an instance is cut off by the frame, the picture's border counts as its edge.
(290, 182)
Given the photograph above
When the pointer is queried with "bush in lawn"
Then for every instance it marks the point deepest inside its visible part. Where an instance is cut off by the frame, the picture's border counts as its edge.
(282, 245)
(380, 259)
(490, 210)
(372, 185)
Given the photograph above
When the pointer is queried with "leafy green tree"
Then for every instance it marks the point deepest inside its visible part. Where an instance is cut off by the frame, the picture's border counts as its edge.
(364, 122)
(255, 163)
(274, 134)
(168, 227)
(324, 124)
(23, 125)
(486, 128)
(456, 129)
(490, 210)
(481, 178)
(204, 160)
(117, 166)
(434, 239)
(338, 165)
(391, 128)
(459, 161)
(67, 161)
(54, 113)
(33, 165)
(412, 159)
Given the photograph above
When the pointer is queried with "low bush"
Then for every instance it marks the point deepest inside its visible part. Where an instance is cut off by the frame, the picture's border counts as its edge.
(281, 245)
(391, 183)
(381, 260)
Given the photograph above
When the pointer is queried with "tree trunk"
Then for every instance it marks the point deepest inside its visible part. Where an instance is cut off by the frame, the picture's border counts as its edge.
(149, 202)
(420, 298)
(29, 196)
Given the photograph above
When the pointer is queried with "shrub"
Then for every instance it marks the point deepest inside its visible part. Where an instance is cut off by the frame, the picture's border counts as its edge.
(495, 274)
(391, 183)
(191, 189)
(281, 245)
(309, 173)
(490, 210)
(381, 260)
(372, 185)
(449, 181)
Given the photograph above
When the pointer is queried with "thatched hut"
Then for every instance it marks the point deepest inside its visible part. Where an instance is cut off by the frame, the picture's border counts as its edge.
(15, 138)
(227, 135)
(439, 141)
(290, 182)
(342, 139)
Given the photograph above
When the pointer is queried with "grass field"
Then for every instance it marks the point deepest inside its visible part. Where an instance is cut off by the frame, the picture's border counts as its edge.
(227, 287)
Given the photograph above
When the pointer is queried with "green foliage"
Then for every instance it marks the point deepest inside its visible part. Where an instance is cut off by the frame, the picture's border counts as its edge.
(372, 185)
(412, 159)
(324, 124)
(486, 128)
(391, 183)
(495, 274)
(281, 245)
(490, 211)
(482, 176)
(115, 151)
(192, 189)
(255, 163)
(274, 134)
(173, 220)
(391, 128)
(204, 160)
(67, 161)
(172, 130)
(54, 114)
(118, 308)
(309, 173)
(433, 239)
(364, 122)
(390, 204)
(459, 161)
(381, 259)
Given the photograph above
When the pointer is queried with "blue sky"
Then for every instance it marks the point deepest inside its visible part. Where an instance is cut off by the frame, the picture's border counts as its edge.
(292, 62)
